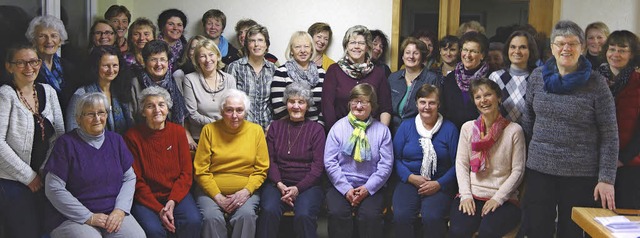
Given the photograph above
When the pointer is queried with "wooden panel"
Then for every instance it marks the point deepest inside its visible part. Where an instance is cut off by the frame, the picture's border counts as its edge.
(449, 17)
(396, 24)
(583, 216)
(543, 14)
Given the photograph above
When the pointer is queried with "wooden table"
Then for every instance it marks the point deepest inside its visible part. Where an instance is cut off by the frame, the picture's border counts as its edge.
(583, 216)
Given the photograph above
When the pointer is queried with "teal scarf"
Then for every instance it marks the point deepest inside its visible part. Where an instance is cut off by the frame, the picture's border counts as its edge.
(358, 145)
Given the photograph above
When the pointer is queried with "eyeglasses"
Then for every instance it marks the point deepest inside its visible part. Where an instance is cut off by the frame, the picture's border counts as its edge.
(360, 43)
(356, 102)
(230, 111)
(572, 45)
(158, 60)
(21, 64)
(91, 115)
(468, 51)
(101, 33)
(620, 51)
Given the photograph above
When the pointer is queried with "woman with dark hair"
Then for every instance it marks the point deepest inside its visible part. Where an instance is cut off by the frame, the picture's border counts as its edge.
(321, 33)
(101, 33)
(380, 50)
(449, 57)
(520, 56)
(457, 105)
(141, 32)
(172, 23)
(119, 17)
(431, 40)
(241, 31)
(622, 52)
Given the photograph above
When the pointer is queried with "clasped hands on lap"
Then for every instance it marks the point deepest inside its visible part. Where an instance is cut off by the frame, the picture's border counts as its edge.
(230, 203)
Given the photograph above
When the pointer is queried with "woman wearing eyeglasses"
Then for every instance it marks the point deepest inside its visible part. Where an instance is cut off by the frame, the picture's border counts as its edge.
(30, 121)
(101, 33)
(456, 103)
(569, 121)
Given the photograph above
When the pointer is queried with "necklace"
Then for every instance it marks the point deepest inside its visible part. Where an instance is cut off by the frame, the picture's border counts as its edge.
(35, 112)
(289, 144)
(218, 85)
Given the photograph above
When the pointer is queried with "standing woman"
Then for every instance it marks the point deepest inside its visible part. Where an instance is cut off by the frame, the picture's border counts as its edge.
(489, 169)
(296, 152)
(431, 41)
(101, 33)
(254, 74)
(203, 89)
(298, 68)
(140, 33)
(47, 33)
(425, 152)
(457, 104)
(520, 56)
(449, 57)
(119, 18)
(185, 65)
(569, 121)
(380, 50)
(172, 23)
(214, 21)
(108, 77)
(358, 158)
(321, 33)
(406, 82)
(622, 51)
(354, 68)
(30, 121)
(596, 35)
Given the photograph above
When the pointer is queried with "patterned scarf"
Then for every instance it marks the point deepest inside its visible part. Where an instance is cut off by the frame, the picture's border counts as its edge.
(54, 77)
(295, 72)
(618, 82)
(179, 109)
(358, 146)
(176, 52)
(119, 120)
(463, 77)
(480, 145)
(554, 83)
(355, 70)
(429, 157)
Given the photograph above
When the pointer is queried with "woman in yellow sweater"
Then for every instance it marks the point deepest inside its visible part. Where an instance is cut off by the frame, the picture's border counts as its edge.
(230, 164)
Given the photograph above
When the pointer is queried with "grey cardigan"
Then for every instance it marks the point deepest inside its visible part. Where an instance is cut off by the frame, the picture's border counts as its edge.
(16, 133)
(572, 134)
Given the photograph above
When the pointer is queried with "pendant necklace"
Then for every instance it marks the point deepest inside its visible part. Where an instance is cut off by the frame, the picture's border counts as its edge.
(289, 144)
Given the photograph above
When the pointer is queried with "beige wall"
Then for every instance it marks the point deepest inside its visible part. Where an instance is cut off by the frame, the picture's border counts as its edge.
(617, 14)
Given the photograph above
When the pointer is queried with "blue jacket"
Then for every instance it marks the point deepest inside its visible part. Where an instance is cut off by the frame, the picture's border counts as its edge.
(399, 89)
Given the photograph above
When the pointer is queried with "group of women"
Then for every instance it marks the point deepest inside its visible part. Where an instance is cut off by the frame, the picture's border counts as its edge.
(454, 135)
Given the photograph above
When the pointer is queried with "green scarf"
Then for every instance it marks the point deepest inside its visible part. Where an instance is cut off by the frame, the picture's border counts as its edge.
(358, 145)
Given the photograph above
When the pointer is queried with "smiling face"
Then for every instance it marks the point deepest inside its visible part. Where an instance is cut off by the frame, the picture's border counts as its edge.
(449, 55)
(429, 44)
(154, 111)
(233, 112)
(411, 57)
(47, 40)
(567, 51)
(301, 50)
(428, 108)
(378, 48)
(108, 68)
(93, 119)
(103, 34)
(157, 65)
(360, 107)
(142, 35)
(297, 107)
(213, 28)
(519, 51)
(207, 60)
(471, 55)
(486, 100)
(120, 23)
(322, 41)
(257, 45)
(595, 40)
(241, 35)
(22, 71)
(618, 56)
(357, 48)
(192, 48)
(173, 29)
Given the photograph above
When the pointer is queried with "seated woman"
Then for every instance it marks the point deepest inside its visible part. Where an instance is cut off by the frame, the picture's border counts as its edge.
(296, 166)
(185, 65)
(425, 153)
(30, 121)
(204, 88)
(489, 167)
(298, 68)
(89, 179)
(108, 75)
(358, 158)
(141, 32)
(162, 163)
(230, 164)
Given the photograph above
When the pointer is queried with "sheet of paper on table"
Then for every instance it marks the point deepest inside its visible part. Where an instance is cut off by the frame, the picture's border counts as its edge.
(620, 226)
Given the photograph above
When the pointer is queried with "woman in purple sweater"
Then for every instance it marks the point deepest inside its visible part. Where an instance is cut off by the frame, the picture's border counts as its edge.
(354, 68)
(296, 167)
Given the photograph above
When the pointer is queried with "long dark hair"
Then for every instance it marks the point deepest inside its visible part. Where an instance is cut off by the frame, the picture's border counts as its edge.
(531, 44)
(121, 85)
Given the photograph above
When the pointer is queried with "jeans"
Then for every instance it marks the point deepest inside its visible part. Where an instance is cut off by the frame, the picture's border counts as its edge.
(368, 215)
(494, 224)
(186, 215)
(434, 210)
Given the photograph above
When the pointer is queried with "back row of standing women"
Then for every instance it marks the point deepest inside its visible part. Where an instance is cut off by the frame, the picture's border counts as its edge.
(356, 103)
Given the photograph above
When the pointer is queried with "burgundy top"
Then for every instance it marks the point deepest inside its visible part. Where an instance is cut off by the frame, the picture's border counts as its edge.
(337, 89)
(304, 165)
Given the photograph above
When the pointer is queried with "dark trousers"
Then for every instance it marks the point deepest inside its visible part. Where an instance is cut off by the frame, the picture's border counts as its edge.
(434, 210)
(368, 215)
(547, 192)
(495, 224)
(628, 187)
(21, 210)
(186, 216)
(306, 208)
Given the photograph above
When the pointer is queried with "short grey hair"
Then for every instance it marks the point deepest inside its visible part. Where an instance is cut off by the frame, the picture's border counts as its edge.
(358, 30)
(567, 28)
(300, 89)
(154, 91)
(46, 21)
(91, 100)
(235, 93)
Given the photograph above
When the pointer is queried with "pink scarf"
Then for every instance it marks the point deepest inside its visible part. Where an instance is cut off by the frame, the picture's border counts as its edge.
(480, 145)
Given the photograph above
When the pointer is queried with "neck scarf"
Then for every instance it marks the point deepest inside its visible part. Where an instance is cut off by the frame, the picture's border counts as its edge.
(555, 83)
(480, 145)
(54, 77)
(179, 110)
(295, 72)
(618, 82)
(176, 52)
(464, 76)
(355, 70)
(429, 157)
(223, 46)
(119, 120)
(358, 145)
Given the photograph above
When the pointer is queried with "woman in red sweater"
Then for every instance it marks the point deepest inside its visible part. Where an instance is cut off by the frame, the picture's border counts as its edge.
(163, 167)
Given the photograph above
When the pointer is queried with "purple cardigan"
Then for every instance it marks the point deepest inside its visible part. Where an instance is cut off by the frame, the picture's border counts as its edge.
(337, 87)
(344, 172)
(304, 166)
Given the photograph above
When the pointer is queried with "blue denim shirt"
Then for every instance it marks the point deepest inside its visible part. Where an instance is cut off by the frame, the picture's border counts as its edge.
(399, 89)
